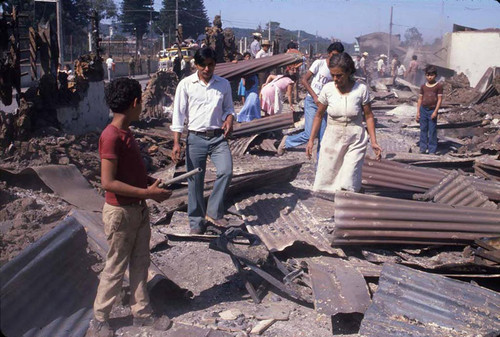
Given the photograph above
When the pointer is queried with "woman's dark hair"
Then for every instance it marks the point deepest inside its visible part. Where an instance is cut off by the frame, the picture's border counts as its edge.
(203, 54)
(343, 61)
(414, 57)
(431, 70)
(246, 54)
(120, 94)
(336, 46)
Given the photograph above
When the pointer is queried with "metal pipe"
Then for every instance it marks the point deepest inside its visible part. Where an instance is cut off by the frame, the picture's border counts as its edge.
(181, 177)
(344, 234)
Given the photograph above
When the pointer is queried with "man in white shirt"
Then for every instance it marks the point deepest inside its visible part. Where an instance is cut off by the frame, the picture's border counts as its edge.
(109, 65)
(255, 45)
(264, 51)
(320, 74)
(205, 101)
(362, 65)
(381, 65)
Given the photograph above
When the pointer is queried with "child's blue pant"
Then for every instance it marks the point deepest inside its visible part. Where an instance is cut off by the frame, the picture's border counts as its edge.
(428, 130)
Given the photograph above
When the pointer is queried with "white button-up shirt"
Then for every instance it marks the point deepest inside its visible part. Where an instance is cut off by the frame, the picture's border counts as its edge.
(262, 53)
(206, 106)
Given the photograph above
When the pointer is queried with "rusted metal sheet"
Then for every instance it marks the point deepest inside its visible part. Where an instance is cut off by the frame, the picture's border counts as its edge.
(338, 287)
(280, 220)
(243, 182)
(455, 190)
(64, 180)
(418, 304)
(243, 68)
(261, 125)
(183, 330)
(394, 175)
(371, 219)
(240, 145)
(488, 168)
(49, 289)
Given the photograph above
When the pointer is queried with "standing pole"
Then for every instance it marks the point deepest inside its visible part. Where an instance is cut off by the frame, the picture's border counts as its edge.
(298, 39)
(71, 47)
(176, 14)
(269, 30)
(390, 40)
(246, 43)
(59, 31)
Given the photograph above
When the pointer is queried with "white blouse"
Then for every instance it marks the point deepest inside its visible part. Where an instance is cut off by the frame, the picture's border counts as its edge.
(345, 108)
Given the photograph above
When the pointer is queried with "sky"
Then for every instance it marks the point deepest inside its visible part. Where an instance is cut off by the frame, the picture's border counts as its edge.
(347, 19)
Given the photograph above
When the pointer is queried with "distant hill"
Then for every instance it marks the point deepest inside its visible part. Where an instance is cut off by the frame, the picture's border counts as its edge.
(286, 35)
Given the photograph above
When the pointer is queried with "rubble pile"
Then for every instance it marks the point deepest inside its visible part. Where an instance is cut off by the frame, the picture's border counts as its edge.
(158, 94)
(221, 40)
(457, 90)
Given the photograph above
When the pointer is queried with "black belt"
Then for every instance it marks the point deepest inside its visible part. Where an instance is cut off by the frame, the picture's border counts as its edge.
(209, 133)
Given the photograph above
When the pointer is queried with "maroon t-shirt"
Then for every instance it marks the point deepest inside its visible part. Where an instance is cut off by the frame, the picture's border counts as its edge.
(430, 95)
(120, 145)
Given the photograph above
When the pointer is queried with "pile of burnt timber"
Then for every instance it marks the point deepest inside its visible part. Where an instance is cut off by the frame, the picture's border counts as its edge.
(367, 219)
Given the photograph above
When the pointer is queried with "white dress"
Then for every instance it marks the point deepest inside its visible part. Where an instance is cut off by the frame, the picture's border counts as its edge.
(343, 146)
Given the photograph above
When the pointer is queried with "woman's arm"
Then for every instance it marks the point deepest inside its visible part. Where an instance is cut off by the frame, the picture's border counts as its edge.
(289, 89)
(315, 128)
(370, 126)
(270, 78)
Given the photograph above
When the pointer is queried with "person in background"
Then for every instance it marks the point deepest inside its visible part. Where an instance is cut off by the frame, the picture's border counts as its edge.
(412, 70)
(429, 102)
(401, 70)
(241, 87)
(272, 91)
(345, 141)
(394, 67)
(131, 66)
(148, 65)
(205, 101)
(109, 66)
(264, 51)
(251, 107)
(381, 65)
(125, 213)
(320, 75)
(362, 66)
(255, 45)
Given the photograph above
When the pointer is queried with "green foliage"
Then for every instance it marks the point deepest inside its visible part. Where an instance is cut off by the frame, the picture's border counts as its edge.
(135, 18)
(192, 16)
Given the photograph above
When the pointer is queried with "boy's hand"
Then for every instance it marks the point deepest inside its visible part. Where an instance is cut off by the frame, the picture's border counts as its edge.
(156, 193)
(418, 118)
(434, 115)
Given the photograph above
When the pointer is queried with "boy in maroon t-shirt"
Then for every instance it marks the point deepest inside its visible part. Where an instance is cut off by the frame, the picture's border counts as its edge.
(429, 102)
(125, 214)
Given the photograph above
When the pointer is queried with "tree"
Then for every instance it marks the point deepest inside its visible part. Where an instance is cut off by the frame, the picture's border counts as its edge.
(135, 18)
(413, 37)
(192, 16)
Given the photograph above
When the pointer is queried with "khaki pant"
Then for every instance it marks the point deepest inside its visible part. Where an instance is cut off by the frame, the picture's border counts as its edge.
(128, 234)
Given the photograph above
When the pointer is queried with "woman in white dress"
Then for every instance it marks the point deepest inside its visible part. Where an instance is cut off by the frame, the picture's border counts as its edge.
(345, 140)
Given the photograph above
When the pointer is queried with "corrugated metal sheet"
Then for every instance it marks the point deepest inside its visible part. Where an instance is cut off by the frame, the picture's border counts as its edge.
(455, 190)
(390, 174)
(243, 182)
(261, 125)
(488, 168)
(58, 178)
(280, 220)
(371, 219)
(240, 146)
(338, 287)
(49, 289)
(231, 70)
(411, 303)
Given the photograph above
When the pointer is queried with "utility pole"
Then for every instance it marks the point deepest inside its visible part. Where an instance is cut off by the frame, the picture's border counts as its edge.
(176, 14)
(59, 31)
(151, 29)
(245, 43)
(298, 39)
(390, 40)
(316, 42)
(269, 30)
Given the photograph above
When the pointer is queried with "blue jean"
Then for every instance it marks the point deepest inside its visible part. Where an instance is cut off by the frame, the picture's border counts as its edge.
(428, 130)
(197, 151)
(310, 109)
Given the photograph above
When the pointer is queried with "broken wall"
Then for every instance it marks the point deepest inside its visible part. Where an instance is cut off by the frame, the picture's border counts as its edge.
(90, 114)
(473, 52)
